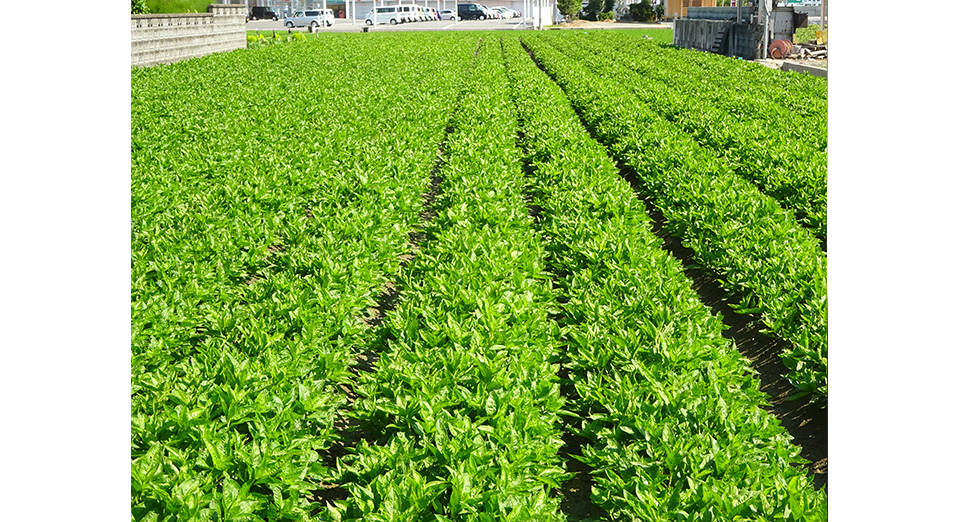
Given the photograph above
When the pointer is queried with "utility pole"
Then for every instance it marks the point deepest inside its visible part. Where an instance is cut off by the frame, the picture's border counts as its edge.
(767, 5)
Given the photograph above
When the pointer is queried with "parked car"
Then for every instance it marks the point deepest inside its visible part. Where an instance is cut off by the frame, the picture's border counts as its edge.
(388, 14)
(447, 14)
(433, 14)
(314, 18)
(506, 12)
(472, 12)
(490, 13)
(259, 12)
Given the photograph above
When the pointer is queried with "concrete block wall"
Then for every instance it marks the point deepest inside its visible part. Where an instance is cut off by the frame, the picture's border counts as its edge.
(697, 34)
(721, 13)
(168, 38)
(746, 41)
(743, 39)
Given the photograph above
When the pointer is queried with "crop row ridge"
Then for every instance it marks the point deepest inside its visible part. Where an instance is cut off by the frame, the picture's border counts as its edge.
(576, 491)
(806, 423)
(348, 430)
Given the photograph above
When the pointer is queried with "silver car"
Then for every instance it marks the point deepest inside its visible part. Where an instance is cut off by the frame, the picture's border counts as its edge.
(312, 17)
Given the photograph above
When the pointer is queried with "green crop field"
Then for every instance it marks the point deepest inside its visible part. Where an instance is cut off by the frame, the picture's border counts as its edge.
(416, 276)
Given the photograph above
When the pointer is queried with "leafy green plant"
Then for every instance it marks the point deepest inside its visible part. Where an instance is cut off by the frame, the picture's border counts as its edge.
(772, 266)
(465, 397)
(259, 242)
(763, 143)
(674, 417)
(261, 239)
(805, 34)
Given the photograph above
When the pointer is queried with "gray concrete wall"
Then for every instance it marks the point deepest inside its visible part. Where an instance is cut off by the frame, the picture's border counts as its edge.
(805, 69)
(168, 38)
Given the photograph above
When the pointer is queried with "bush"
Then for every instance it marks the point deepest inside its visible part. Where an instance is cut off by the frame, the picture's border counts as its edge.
(178, 6)
(138, 7)
(607, 15)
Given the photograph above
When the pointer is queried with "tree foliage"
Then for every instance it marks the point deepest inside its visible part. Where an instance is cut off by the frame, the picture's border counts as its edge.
(593, 9)
(138, 7)
(568, 8)
(642, 12)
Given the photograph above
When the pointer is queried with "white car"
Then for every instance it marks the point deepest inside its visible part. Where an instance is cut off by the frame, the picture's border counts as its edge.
(313, 17)
(448, 14)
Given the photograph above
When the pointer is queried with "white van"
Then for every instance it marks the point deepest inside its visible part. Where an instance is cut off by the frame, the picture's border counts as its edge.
(408, 13)
(387, 14)
(313, 17)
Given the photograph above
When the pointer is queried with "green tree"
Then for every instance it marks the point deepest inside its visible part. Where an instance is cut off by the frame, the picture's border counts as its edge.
(568, 8)
(138, 7)
(592, 11)
(642, 12)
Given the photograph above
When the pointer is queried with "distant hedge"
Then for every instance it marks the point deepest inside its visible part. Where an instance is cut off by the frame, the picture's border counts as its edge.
(178, 6)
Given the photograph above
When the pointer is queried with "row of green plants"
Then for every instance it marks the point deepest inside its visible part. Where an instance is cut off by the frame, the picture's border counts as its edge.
(760, 146)
(463, 404)
(751, 84)
(748, 89)
(773, 266)
(671, 410)
(259, 240)
(256, 39)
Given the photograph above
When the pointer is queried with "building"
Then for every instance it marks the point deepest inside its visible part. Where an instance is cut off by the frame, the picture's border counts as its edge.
(673, 9)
